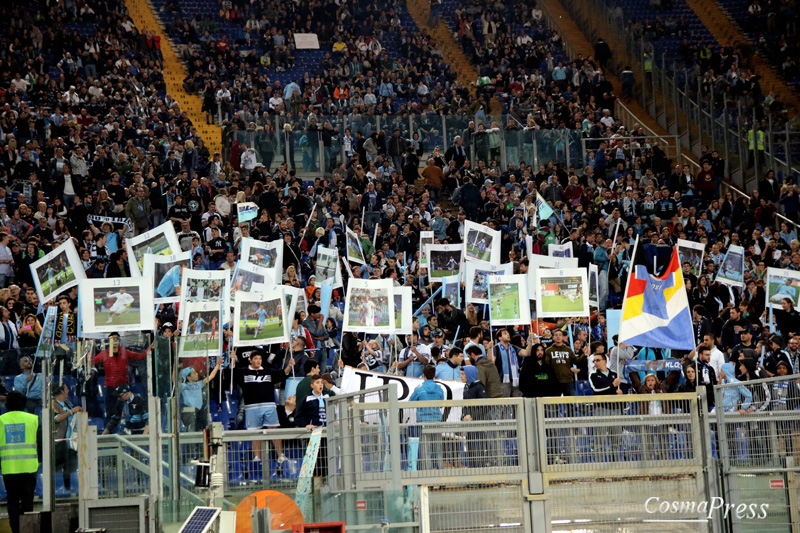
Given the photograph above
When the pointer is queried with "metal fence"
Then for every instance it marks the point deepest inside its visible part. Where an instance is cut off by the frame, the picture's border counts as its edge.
(495, 141)
(685, 103)
(758, 431)
(579, 463)
(422, 442)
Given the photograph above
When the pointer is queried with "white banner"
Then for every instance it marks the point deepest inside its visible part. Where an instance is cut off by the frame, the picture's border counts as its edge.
(354, 380)
(306, 41)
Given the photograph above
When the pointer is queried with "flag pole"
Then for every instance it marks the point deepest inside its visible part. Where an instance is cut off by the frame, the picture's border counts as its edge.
(624, 295)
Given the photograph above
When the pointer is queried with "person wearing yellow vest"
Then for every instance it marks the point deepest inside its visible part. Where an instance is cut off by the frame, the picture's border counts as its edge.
(20, 455)
(755, 145)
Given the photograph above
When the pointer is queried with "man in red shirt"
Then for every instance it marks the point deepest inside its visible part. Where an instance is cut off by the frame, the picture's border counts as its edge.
(115, 361)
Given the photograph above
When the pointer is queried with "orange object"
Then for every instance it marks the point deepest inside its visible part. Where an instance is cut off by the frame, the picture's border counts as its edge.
(284, 513)
(327, 527)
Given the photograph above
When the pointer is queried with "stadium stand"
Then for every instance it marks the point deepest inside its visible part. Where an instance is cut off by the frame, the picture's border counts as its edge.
(123, 120)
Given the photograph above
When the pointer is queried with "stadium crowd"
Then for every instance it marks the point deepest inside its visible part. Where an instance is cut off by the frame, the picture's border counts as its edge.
(86, 130)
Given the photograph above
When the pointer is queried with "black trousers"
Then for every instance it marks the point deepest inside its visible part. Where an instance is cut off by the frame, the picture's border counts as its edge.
(20, 488)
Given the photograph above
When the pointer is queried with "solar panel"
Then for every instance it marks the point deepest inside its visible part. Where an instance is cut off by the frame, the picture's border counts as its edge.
(201, 519)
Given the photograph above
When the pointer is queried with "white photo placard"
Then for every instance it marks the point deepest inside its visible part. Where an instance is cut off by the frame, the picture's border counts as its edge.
(403, 314)
(200, 330)
(508, 300)
(205, 286)
(425, 238)
(369, 306)
(731, 270)
(266, 255)
(538, 262)
(781, 284)
(167, 273)
(260, 318)
(692, 253)
(562, 293)
(355, 252)
(327, 267)
(560, 250)
(451, 289)
(245, 275)
(481, 243)
(57, 271)
(476, 287)
(594, 286)
(444, 260)
(116, 304)
(158, 241)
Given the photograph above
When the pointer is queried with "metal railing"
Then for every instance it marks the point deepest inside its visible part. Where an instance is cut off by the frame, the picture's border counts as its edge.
(500, 139)
(686, 104)
(416, 442)
(757, 426)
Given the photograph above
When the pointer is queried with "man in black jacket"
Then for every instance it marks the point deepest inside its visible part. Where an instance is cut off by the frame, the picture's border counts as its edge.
(469, 199)
(451, 319)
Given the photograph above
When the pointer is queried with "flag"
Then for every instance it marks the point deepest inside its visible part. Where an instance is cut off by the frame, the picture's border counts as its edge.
(543, 209)
(655, 311)
(246, 211)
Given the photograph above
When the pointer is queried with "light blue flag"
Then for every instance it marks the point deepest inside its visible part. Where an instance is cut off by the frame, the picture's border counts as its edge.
(325, 296)
(543, 209)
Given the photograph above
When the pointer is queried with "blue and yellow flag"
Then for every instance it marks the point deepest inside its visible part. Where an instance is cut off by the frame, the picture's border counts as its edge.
(655, 311)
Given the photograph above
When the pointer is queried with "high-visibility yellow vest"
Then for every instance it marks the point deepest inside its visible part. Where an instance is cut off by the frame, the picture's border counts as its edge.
(18, 443)
(648, 64)
(757, 140)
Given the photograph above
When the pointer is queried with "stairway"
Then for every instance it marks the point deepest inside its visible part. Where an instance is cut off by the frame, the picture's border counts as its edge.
(451, 49)
(571, 34)
(726, 31)
(174, 73)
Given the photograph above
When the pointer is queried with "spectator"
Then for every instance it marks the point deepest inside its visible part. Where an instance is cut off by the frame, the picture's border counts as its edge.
(429, 442)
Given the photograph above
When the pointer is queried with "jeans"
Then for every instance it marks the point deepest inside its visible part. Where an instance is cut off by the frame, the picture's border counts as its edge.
(20, 488)
(69, 200)
(567, 389)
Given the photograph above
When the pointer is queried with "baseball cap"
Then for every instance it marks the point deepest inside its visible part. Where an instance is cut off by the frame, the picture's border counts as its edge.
(185, 373)
(122, 389)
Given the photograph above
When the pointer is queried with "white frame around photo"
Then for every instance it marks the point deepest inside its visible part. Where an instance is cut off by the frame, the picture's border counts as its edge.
(544, 262)
(404, 323)
(560, 250)
(73, 261)
(474, 268)
(721, 276)
(447, 283)
(252, 271)
(249, 245)
(593, 278)
(133, 245)
(694, 247)
(291, 307)
(785, 274)
(524, 305)
(370, 287)
(425, 238)
(86, 300)
(186, 326)
(337, 274)
(244, 298)
(439, 248)
(220, 276)
(555, 274)
(350, 234)
(494, 245)
(149, 271)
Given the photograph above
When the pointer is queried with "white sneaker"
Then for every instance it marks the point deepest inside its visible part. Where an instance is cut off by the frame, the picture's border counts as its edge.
(282, 459)
(110, 319)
